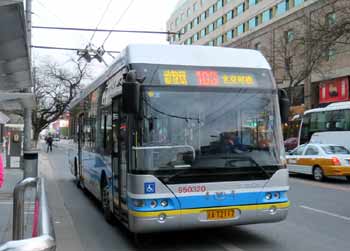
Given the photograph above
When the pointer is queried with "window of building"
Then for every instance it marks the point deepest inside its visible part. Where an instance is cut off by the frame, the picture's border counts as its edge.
(289, 36)
(219, 4)
(189, 41)
(189, 26)
(183, 30)
(195, 21)
(177, 21)
(229, 15)
(219, 40)
(177, 36)
(182, 16)
(220, 22)
(266, 15)
(253, 23)
(257, 46)
(188, 12)
(281, 7)
(252, 2)
(203, 16)
(240, 9)
(203, 32)
(195, 7)
(298, 2)
(195, 37)
(330, 54)
(202, 2)
(240, 29)
(331, 18)
(211, 27)
(211, 10)
(229, 35)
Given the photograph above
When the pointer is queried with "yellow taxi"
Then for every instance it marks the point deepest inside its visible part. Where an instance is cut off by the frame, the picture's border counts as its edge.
(320, 160)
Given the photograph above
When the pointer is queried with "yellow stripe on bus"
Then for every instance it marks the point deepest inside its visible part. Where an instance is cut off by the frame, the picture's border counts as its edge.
(200, 210)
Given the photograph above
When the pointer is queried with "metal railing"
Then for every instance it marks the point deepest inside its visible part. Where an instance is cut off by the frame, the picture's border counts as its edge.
(44, 238)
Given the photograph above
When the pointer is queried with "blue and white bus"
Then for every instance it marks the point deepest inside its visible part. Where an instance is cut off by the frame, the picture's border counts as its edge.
(177, 137)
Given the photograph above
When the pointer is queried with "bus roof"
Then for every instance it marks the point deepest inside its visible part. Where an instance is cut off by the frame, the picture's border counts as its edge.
(195, 55)
(182, 55)
(331, 107)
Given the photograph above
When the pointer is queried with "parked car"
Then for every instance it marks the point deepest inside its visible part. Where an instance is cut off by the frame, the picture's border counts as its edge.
(290, 143)
(320, 160)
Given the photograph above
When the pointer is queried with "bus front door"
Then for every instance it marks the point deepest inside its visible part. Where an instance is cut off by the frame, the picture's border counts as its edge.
(119, 169)
(79, 174)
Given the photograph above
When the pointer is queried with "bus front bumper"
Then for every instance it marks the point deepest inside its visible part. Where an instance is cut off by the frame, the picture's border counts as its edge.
(147, 222)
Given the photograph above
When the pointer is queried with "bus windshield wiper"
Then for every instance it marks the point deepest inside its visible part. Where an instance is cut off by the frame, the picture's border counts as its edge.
(177, 174)
(254, 162)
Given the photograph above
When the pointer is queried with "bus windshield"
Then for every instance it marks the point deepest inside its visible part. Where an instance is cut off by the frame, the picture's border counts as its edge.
(209, 131)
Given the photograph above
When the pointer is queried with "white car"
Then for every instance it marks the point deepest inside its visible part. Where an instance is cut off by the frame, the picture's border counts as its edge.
(320, 160)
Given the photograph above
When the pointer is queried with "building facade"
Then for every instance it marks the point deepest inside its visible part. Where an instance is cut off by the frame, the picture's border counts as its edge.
(262, 25)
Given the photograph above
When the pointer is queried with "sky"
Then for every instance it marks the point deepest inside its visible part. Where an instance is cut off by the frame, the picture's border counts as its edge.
(140, 15)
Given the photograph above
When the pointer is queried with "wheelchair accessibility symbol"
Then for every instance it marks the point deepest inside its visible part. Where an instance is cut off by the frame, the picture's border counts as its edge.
(150, 187)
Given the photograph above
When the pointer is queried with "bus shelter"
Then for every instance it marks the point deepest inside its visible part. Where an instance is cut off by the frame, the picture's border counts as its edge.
(15, 66)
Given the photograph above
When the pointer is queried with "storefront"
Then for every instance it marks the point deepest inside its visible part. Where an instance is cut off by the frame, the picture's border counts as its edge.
(335, 90)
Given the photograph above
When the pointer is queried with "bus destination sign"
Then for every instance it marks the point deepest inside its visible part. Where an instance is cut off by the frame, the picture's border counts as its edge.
(205, 78)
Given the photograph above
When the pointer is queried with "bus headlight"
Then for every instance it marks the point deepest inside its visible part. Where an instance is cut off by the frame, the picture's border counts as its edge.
(276, 195)
(164, 203)
(138, 203)
(268, 196)
(154, 203)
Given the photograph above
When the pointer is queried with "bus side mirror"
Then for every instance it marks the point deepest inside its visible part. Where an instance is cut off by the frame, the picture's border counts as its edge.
(131, 94)
(284, 105)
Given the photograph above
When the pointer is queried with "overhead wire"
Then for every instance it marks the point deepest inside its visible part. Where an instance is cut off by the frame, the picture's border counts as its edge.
(102, 17)
(59, 19)
(119, 19)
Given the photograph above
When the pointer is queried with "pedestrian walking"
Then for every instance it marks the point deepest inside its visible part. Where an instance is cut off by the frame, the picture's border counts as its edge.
(49, 141)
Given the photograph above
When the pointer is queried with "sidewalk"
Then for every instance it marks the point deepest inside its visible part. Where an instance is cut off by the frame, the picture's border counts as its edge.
(66, 235)
(12, 177)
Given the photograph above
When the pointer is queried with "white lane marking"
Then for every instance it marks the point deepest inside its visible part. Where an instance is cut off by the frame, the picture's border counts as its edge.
(327, 213)
(227, 246)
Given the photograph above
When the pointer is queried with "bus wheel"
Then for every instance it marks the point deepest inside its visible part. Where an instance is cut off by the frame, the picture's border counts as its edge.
(348, 178)
(318, 173)
(77, 178)
(105, 202)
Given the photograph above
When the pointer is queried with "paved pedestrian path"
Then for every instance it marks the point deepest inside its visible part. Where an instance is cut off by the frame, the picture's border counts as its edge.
(66, 235)
(12, 177)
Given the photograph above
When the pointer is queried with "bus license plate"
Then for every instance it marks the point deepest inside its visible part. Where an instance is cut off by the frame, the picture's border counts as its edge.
(220, 214)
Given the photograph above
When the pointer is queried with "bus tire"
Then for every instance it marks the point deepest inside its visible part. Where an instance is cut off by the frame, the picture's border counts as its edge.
(77, 178)
(108, 215)
(317, 173)
(347, 178)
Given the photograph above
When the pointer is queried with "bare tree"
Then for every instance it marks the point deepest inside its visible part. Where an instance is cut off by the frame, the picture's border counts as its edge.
(55, 87)
(301, 50)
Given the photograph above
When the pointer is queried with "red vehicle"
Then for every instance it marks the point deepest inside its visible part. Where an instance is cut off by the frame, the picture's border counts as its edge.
(290, 143)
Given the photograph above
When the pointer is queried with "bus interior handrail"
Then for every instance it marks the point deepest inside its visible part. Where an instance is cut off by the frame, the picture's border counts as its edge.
(45, 241)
